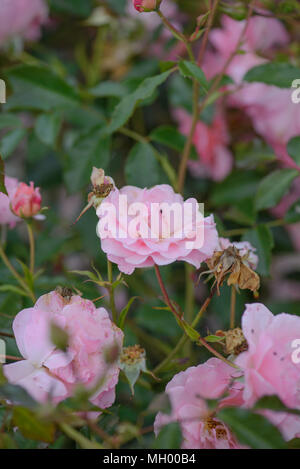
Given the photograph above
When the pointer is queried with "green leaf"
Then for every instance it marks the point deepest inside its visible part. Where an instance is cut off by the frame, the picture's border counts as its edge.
(14, 289)
(109, 88)
(142, 168)
(251, 154)
(9, 120)
(124, 312)
(275, 404)
(190, 331)
(10, 141)
(33, 427)
(6, 442)
(251, 429)
(262, 239)
(169, 437)
(39, 88)
(293, 214)
(293, 149)
(127, 105)
(191, 70)
(89, 149)
(17, 395)
(169, 136)
(277, 74)
(273, 187)
(237, 186)
(214, 338)
(47, 127)
(74, 7)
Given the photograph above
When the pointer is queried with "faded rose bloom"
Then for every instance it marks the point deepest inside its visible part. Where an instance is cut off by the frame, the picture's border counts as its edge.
(215, 160)
(130, 237)
(26, 201)
(47, 372)
(146, 5)
(246, 251)
(22, 18)
(187, 392)
(267, 364)
(7, 217)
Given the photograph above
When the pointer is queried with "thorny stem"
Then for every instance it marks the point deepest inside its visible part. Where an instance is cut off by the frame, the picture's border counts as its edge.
(165, 293)
(111, 293)
(16, 274)
(232, 307)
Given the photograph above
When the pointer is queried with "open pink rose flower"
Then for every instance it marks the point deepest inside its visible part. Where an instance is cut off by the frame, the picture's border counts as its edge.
(137, 228)
(26, 201)
(7, 217)
(268, 364)
(48, 373)
(22, 18)
(215, 160)
(187, 392)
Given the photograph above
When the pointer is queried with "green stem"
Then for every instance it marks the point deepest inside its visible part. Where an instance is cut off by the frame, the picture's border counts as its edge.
(112, 304)
(165, 293)
(32, 246)
(83, 442)
(189, 301)
(16, 275)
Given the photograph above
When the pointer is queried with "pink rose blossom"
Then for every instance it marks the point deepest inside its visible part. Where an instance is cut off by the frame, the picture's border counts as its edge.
(48, 372)
(187, 392)
(267, 364)
(149, 244)
(26, 201)
(145, 5)
(7, 217)
(215, 160)
(21, 18)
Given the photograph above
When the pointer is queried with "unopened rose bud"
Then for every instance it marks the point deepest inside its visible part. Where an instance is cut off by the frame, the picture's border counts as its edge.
(26, 201)
(146, 5)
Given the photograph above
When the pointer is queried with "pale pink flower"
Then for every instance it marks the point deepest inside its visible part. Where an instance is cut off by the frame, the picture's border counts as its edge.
(268, 364)
(22, 18)
(26, 201)
(246, 250)
(215, 159)
(48, 373)
(133, 241)
(274, 116)
(188, 391)
(7, 217)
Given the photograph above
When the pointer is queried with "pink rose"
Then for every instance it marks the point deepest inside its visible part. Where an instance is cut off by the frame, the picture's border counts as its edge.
(22, 18)
(187, 392)
(146, 5)
(7, 217)
(130, 237)
(48, 372)
(268, 363)
(26, 201)
(215, 160)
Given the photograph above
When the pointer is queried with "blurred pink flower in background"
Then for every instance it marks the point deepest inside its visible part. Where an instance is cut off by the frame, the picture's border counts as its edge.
(142, 249)
(22, 18)
(187, 392)
(26, 201)
(274, 116)
(267, 364)
(215, 160)
(7, 217)
(48, 372)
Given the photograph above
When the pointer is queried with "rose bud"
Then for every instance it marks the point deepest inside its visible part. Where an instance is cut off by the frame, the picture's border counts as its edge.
(26, 201)
(146, 5)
